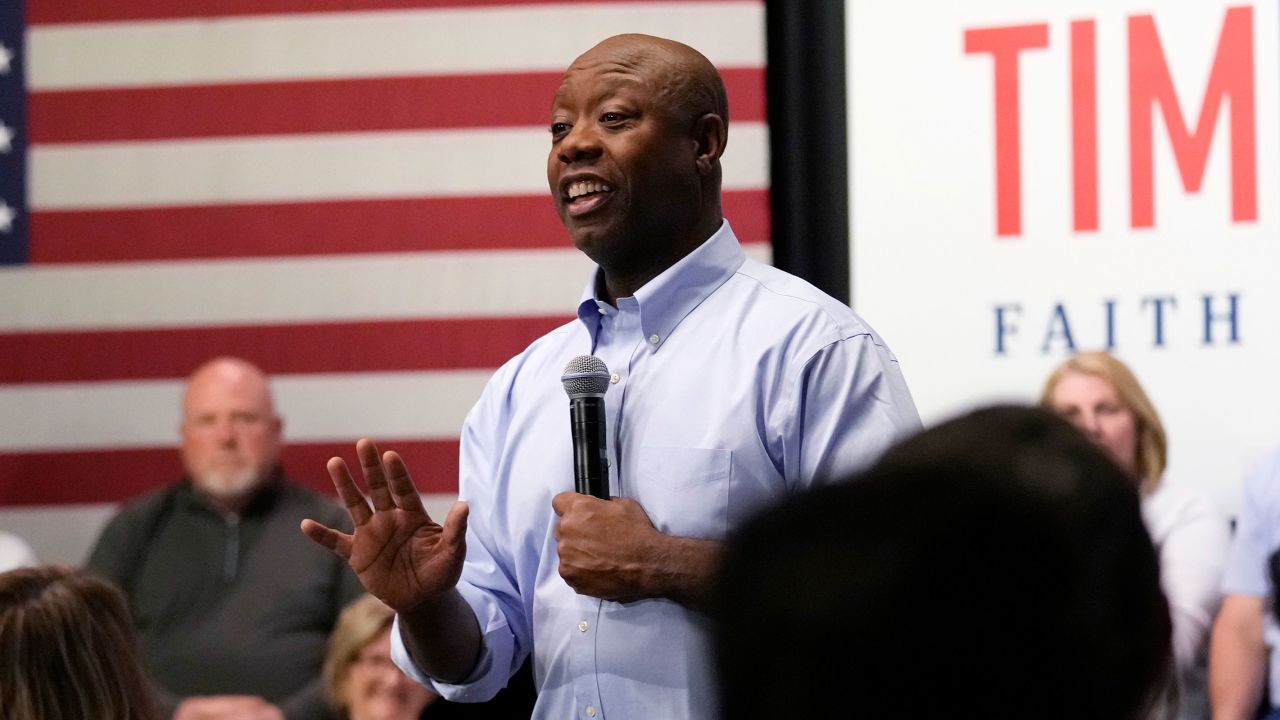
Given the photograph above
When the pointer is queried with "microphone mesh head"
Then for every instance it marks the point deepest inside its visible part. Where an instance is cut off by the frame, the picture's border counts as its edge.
(585, 375)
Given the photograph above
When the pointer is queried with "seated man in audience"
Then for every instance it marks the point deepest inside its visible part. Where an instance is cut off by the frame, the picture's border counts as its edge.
(233, 607)
(995, 566)
(1245, 632)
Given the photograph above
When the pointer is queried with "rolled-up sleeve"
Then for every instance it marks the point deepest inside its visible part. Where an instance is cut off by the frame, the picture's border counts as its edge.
(488, 583)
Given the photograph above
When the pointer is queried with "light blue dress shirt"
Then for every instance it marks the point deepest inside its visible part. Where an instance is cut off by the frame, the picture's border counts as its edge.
(1257, 537)
(733, 384)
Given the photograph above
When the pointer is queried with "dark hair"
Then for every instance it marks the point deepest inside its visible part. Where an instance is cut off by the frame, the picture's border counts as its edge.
(995, 566)
(68, 649)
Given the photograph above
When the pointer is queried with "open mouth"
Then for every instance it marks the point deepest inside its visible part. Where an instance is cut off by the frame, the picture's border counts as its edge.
(586, 195)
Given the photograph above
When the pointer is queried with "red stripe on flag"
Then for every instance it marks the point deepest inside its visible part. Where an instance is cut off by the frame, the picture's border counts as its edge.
(368, 346)
(326, 228)
(99, 476)
(323, 106)
(312, 106)
(314, 228)
(73, 11)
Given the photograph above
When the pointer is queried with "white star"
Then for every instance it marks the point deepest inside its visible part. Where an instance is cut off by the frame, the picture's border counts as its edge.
(6, 57)
(6, 137)
(6, 217)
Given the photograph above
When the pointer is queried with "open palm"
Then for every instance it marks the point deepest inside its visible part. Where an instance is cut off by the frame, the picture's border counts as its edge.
(399, 553)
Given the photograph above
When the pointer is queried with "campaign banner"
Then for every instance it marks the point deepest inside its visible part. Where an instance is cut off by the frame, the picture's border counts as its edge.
(1033, 179)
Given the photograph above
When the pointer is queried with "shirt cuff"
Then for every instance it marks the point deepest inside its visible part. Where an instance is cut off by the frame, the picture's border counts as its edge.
(493, 667)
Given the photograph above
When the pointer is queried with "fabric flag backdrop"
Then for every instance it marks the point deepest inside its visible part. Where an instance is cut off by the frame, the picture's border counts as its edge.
(349, 193)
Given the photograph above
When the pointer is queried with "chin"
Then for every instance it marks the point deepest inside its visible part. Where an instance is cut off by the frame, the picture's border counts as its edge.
(228, 485)
(588, 241)
(389, 710)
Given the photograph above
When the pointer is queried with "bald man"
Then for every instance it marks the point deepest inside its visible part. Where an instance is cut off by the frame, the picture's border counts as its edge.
(233, 612)
(732, 385)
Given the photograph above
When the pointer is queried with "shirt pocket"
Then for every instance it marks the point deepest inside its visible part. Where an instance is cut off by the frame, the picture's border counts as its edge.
(685, 491)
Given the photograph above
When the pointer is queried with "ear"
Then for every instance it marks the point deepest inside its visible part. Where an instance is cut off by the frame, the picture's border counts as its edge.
(710, 135)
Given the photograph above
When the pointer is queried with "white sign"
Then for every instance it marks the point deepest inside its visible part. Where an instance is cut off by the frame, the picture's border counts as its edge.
(1035, 178)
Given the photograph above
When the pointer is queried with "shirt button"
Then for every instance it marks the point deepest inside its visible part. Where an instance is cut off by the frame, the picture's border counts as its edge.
(602, 311)
(582, 626)
(614, 378)
(591, 712)
(654, 339)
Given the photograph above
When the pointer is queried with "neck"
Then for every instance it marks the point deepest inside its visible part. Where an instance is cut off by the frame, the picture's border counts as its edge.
(226, 505)
(623, 277)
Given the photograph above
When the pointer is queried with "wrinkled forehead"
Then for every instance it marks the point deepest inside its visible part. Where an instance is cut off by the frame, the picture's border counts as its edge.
(617, 53)
(609, 67)
(622, 60)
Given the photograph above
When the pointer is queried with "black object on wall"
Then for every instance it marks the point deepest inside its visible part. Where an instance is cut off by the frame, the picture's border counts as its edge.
(809, 186)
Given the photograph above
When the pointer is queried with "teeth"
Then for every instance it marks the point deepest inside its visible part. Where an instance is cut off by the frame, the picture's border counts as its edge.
(583, 187)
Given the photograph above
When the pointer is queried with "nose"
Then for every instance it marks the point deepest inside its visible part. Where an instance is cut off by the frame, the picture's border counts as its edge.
(225, 432)
(581, 143)
(400, 680)
(1088, 422)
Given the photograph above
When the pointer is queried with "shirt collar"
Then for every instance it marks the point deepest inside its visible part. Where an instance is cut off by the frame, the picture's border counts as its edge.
(665, 300)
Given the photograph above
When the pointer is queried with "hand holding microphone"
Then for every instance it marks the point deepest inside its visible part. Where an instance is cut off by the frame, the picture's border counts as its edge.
(612, 550)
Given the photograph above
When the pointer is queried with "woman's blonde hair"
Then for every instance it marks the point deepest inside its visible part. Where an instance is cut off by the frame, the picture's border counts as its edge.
(68, 649)
(358, 625)
(1151, 447)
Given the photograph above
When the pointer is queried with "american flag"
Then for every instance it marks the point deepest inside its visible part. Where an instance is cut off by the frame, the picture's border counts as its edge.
(349, 193)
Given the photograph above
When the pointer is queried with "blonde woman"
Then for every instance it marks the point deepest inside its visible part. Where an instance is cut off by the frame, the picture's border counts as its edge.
(1101, 396)
(362, 682)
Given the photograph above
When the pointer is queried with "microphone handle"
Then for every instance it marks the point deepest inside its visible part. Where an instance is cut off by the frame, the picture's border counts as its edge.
(590, 458)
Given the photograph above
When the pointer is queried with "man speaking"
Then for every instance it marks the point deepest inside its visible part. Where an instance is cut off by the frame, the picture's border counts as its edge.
(731, 384)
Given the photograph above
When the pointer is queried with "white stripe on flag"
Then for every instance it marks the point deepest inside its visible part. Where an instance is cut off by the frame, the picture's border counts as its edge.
(438, 285)
(64, 534)
(435, 163)
(322, 407)
(376, 43)
(351, 287)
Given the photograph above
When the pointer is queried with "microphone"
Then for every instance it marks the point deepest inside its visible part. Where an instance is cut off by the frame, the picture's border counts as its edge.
(585, 380)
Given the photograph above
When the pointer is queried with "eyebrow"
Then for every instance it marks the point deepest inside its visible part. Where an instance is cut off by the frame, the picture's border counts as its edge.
(607, 85)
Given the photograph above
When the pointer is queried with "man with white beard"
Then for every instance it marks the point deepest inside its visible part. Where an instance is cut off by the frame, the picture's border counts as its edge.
(233, 606)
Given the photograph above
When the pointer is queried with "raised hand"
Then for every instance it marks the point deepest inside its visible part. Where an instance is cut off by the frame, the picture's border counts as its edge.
(399, 553)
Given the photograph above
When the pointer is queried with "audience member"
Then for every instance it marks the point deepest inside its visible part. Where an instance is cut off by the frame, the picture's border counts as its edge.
(362, 682)
(1246, 632)
(995, 566)
(1101, 396)
(15, 552)
(233, 608)
(68, 650)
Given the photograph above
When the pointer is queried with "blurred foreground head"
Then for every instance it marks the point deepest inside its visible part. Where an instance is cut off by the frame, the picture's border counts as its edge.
(67, 649)
(993, 566)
